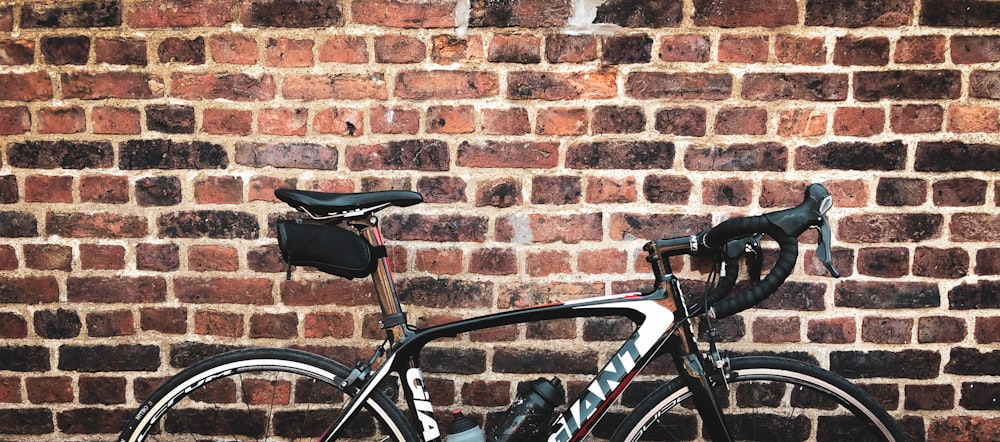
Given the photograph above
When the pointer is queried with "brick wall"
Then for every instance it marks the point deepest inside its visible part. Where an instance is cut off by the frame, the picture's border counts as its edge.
(141, 141)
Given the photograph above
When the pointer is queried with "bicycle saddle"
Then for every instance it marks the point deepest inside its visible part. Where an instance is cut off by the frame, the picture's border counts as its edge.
(326, 203)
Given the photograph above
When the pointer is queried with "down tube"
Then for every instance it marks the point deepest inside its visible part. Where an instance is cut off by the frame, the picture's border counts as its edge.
(577, 420)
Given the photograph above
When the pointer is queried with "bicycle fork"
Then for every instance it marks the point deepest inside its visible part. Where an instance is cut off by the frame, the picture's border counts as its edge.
(698, 378)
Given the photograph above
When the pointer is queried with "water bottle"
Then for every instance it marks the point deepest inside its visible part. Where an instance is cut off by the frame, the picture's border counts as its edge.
(531, 413)
(464, 429)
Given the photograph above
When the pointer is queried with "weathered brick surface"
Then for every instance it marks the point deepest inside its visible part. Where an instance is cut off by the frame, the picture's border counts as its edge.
(141, 141)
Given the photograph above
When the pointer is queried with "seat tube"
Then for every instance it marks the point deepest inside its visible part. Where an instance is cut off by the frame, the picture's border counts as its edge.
(393, 318)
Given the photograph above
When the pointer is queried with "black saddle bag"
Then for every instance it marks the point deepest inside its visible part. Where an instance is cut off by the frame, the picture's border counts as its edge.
(328, 248)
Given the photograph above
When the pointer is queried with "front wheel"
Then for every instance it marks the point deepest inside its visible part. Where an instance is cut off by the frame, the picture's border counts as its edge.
(260, 394)
(770, 399)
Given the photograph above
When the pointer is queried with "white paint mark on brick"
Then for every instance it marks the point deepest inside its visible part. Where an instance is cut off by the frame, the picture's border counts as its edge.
(462, 8)
(582, 21)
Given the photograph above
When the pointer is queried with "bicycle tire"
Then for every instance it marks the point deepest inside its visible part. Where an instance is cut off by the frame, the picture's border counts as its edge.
(764, 393)
(260, 394)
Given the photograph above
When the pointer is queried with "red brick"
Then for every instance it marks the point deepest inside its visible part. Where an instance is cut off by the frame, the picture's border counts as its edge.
(102, 257)
(120, 51)
(261, 188)
(915, 118)
(218, 121)
(207, 258)
(236, 87)
(446, 85)
(233, 48)
(30, 86)
(179, 13)
(959, 192)
(736, 13)
(929, 397)
(569, 229)
(562, 121)
(449, 49)
(395, 120)
(965, 119)
(451, 119)
(283, 121)
(218, 323)
(683, 121)
(399, 49)
(741, 121)
(62, 120)
(98, 86)
(252, 291)
(286, 52)
(164, 320)
(727, 192)
(618, 120)
(515, 48)
(14, 120)
(48, 189)
(602, 261)
(548, 262)
(508, 154)
(116, 121)
(112, 323)
(49, 389)
(17, 52)
(561, 86)
(340, 121)
(886, 262)
(6, 19)
(775, 330)
(48, 257)
(329, 325)
(107, 189)
(832, 331)
(440, 261)
(988, 329)
(8, 261)
(182, 50)
(809, 51)
(486, 393)
(858, 121)
(404, 14)
(274, 325)
(969, 49)
(116, 289)
(10, 390)
(493, 261)
(611, 190)
(964, 428)
(350, 49)
(988, 261)
(861, 51)
(29, 290)
(340, 87)
(848, 193)
(886, 330)
(685, 47)
(743, 48)
(940, 329)
(564, 48)
(795, 86)
(920, 49)
(510, 121)
(499, 192)
(802, 123)
(157, 257)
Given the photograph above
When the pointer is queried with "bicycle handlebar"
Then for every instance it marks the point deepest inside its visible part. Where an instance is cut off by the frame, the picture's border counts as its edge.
(783, 226)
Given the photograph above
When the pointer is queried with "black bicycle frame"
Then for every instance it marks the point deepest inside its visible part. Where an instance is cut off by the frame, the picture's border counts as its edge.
(656, 333)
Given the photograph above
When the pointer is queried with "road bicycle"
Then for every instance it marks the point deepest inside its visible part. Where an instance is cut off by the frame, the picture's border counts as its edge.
(286, 394)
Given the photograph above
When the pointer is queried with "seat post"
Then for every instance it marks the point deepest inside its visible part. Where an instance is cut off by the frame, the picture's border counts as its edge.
(393, 319)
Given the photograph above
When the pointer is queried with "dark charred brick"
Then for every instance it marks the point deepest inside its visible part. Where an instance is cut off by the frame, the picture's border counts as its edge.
(278, 326)
(955, 156)
(181, 50)
(959, 13)
(932, 329)
(907, 85)
(108, 324)
(857, 51)
(607, 329)
(680, 86)
(157, 257)
(907, 364)
(966, 227)
(102, 390)
(446, 228)
(26, 421)
(185, 354)
(885, 262)
(64, 50)
(443, 189)
(555, 189)
(795, 86)
(975, 296)
(121, 51)
(884, 330)
(970, 49)
(988, 262)
(12, 325)
(929, 397)
(641, 13)
(667, 189)
(87, 14)
(208, 223)
(292, 155)
(796, 296)
(292, 13)
(442, 292)
(551, 329)
(58, 324)
(92, 420)
(425, 155)
(500, 193)
(526, 360)
(158, 191)
(736, 13)
(519, 13)
(114, 289)
(618, 120)
(729, 329)
(840, 14)
(973, 362)
(453, 360)
(940, 263)
(8, 189)
(167, 154)
(959, 192)
(980, 396)
(17, 52)
(984, 84)
(628, 226)
(901, 192)
(61, 155)
(18, 225)
(565, 48)
(627, 49)
(99, 358)
(738, 157)
(523, 49)
(632, 155)
(24, 358)
(890, 227)
(170, 119)
(683, 121)
(886, 295)
(29, 290)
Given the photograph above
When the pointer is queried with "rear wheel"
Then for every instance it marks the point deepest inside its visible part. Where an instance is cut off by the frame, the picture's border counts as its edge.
(770, 399)
(260, 394)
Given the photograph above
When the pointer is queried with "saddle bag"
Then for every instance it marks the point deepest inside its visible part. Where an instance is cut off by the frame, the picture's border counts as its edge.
(326, 247)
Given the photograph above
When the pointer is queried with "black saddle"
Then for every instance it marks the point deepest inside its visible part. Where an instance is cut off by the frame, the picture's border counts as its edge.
(326, 203)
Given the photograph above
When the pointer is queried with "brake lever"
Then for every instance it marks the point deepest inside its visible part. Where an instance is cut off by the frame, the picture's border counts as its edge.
(823, 251)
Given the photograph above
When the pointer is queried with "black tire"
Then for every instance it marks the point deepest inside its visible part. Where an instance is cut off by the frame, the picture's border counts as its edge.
(770, 399)
(260, 394)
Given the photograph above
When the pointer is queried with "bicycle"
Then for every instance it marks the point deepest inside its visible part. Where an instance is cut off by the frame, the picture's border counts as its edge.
(282, 394)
